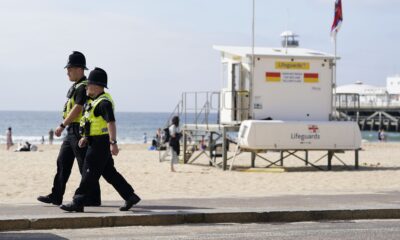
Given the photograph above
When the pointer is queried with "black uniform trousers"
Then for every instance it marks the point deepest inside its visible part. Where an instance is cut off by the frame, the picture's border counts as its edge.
(68, 152)
(99, 162)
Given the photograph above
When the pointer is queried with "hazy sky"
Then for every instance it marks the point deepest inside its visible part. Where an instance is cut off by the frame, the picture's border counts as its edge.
(153, 50)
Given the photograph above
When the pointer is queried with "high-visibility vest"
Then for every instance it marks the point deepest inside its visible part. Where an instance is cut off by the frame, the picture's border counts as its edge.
(90, 124)
(71, 102)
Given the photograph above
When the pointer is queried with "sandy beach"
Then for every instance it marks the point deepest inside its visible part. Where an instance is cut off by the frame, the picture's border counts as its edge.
(25, 175)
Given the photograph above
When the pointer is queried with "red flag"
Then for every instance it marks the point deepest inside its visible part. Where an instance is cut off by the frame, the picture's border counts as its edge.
(337, 21)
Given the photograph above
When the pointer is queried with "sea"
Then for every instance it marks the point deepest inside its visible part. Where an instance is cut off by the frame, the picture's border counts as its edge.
(131, 126)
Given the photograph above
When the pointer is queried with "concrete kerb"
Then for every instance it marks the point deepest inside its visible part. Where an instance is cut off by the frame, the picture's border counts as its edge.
(192, 218)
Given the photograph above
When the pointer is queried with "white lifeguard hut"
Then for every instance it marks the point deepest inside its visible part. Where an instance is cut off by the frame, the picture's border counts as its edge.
(289, 83)
(278, 99)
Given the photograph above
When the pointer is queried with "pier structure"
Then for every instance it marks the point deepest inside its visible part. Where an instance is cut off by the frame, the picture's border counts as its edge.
(373, 108)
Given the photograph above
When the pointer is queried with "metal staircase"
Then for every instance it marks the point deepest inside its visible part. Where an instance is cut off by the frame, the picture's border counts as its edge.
(198, 109)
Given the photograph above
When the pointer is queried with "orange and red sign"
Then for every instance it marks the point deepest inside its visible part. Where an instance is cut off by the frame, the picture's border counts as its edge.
(273, 76)
(311, 77)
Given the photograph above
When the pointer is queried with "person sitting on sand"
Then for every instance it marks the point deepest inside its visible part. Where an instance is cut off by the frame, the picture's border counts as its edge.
(9, 138)
(23, 147)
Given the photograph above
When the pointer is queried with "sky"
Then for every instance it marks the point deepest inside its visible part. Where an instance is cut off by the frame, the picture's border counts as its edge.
(156, 49)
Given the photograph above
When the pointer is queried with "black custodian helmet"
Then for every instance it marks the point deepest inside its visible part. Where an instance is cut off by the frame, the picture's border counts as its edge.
(76, 59)
(98, 77)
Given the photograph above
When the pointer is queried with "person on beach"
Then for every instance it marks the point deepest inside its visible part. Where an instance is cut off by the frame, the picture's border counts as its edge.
(99, 133)
(9, 141)
(381, 135)
(158, 136)
(144, 138)
(51, 136)
(175, 135)
(69, 149)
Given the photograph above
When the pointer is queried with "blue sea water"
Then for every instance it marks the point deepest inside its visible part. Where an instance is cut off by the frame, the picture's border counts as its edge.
(32, 125)
(131, 126)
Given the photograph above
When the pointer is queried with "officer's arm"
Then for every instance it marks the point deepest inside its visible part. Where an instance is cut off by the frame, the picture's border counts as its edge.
(75, 112)
(112, 130)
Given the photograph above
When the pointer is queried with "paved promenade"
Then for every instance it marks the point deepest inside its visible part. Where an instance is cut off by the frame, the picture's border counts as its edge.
(385, 205)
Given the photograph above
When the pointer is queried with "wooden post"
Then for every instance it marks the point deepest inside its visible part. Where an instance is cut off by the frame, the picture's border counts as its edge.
(253, 159)
(330, 156)
(306, 157)
(281, 159)
(356, 159)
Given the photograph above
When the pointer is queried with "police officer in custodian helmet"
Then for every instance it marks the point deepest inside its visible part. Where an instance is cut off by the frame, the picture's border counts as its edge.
(69, 149)
(99, 134)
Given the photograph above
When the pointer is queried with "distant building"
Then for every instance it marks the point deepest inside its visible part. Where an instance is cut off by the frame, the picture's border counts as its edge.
(393, 88)
(369, 95)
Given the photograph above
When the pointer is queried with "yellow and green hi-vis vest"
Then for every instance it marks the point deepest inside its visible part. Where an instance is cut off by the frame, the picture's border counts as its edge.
(92, 125)
(71, 102)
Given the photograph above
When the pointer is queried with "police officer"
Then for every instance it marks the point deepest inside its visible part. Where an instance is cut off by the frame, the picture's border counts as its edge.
(99, 133)
(69, 149)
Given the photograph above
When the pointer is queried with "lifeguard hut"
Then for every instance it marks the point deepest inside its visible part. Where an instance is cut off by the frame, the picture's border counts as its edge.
(289, 83)
(274, 99)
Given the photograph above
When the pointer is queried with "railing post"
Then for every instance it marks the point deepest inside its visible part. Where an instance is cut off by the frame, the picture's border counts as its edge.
(224, 150)
(185, 158)
(195, 107)
(184, 95)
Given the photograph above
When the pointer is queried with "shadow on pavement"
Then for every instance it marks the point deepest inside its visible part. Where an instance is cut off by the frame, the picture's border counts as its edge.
(157, 207)
(30, 236)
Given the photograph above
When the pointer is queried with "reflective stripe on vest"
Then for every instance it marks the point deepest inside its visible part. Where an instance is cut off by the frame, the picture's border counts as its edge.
(97, 125)
(71, 102)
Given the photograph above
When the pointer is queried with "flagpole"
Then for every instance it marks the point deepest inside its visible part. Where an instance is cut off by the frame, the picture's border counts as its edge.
(335, 28)
(252, 63)
(334, 76)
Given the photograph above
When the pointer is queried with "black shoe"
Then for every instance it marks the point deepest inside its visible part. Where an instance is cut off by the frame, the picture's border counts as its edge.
(72, 207)
(48, 199)
(134, 199)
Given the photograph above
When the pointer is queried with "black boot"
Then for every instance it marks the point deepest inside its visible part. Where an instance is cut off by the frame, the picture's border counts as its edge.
(49, 199)
(134, 199)
(72, 207)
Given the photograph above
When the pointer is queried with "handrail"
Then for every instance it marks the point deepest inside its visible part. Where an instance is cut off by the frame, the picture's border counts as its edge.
(201, 114)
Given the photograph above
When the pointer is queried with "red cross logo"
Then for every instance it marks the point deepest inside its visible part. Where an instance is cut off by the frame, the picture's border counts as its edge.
(313, 128)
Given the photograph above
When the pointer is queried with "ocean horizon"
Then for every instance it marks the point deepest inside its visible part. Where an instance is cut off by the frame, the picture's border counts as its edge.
(131, 126)
(32, 125)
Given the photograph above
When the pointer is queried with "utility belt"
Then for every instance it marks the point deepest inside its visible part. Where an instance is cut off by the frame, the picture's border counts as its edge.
(73, 128)
(96, 139)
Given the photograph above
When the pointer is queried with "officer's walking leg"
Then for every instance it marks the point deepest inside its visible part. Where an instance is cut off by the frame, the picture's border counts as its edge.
(65, 162)
(124, 189)
(91, 172)
(112, 176)
(94, 198)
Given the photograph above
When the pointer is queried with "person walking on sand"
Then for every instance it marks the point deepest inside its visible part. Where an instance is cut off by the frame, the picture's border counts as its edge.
(175, 135)
(69, 149)
(51, 136)
(99, 133)
(9, 141)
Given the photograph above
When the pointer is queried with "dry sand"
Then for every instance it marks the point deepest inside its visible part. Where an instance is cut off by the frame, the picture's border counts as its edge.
(25, 175)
